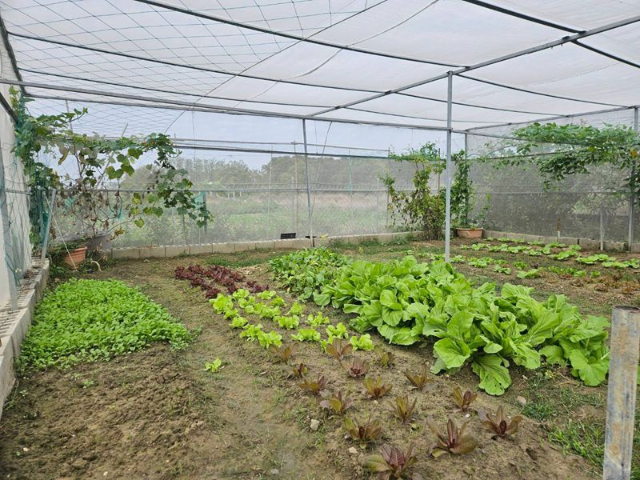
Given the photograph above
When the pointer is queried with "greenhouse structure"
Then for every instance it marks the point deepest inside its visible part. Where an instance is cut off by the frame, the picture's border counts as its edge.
(291, 119)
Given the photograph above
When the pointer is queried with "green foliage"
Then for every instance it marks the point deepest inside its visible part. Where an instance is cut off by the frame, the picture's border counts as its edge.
(567, 272)
(267, 312)
(288, 322)
(406, 301)
(481, 262)
(296, 309)
(277, 302)
(501, 269)
(533, 273)
(339, 331)
(214, 366)
(222, 303)
(575, 149)
(251, 332)
(305, 271)
(89, 320)
(307, 335)
(419, 209)
(267, 294)
(363, 342)
(266, 340)
(317, 320)
(461, 192)
(238, 322)
(101, 162)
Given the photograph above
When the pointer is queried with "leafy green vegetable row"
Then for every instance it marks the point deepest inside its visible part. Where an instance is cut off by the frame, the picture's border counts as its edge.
(226, 305)
(407, 301)
(88, 320)
(500, 266)
(573, 251)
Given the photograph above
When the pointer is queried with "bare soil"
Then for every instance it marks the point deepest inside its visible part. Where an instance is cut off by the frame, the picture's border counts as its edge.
(157, 414)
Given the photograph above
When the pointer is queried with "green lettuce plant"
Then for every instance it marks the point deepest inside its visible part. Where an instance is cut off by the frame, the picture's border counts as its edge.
(307, 335)
(363, 342)
(408, 302)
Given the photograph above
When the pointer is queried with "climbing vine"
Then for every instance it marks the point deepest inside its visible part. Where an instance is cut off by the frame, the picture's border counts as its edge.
(102, 163)
(559, 151)
(422, 208)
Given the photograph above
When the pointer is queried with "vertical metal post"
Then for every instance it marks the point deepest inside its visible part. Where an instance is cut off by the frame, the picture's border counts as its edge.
(294, 194)
(377, 194)
(621, 395)
(601, 227)
(632, 199)
(351, 212)
(447, 226)
(269, 236)
(306, 172)
(5, 224)
(45, 242)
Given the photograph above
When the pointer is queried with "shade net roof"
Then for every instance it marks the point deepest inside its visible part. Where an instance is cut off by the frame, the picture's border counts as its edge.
(385, 62)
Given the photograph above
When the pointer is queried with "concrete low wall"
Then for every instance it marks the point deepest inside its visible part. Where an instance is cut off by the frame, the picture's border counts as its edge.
(15, 323)
(585, 243)
(170, 251)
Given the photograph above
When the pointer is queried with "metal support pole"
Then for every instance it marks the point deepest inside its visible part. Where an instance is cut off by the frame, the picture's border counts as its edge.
(601, 227)
(306, 172)
(621, 395)
(632, 199)
(294, 194)
(447, 227)
(45, 242)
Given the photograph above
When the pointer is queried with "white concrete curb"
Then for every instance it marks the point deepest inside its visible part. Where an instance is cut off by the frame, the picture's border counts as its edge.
(14, 324)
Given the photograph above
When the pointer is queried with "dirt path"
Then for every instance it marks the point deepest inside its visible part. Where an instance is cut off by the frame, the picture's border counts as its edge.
(158, 414)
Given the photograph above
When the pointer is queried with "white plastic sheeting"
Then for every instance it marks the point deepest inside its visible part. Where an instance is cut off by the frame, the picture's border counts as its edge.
(381, 61)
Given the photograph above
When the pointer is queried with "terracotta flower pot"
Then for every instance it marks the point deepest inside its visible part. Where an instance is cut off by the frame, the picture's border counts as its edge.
(75, 257)
(469, 232)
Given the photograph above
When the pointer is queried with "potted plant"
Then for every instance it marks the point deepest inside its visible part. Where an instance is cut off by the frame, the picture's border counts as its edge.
(462, 201)
(71, 253)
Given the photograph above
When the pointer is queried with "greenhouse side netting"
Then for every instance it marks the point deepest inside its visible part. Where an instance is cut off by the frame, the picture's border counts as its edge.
(596, 206)
(15, 226)
(330, 91)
